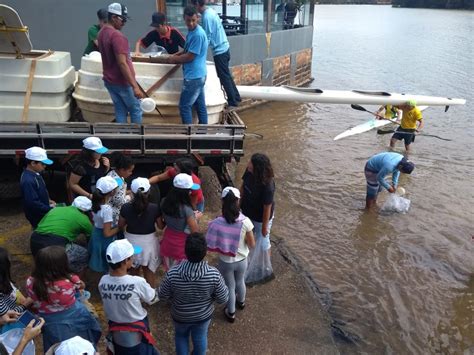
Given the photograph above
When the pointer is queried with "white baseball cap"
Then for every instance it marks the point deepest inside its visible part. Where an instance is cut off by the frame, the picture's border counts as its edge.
(83, 203)
(118, 9)
(95, 144)
(119, 250)
(107, 183)
(228, 189)
(38, 154)
(74, 346)
(140, 183)
(185, 181)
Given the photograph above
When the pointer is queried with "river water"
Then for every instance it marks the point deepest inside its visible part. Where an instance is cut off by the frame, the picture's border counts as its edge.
(401, 283)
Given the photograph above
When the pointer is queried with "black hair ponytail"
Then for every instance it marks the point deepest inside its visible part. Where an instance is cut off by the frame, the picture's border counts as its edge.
(97, 200)
(230, 208)
(140, 201)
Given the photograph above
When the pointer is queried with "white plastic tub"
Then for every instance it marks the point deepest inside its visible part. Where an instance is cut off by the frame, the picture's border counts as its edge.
(52, 85)
(96, 105)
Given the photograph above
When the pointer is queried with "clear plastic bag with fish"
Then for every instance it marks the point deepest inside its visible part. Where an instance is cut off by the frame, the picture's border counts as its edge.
(154, 50)
(396, 203)
(259, 268)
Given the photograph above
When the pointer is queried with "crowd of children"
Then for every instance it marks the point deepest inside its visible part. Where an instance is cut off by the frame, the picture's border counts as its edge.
(111, 230)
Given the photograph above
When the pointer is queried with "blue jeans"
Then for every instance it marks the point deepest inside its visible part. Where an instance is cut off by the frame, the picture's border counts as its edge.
(124, 102)
(221, 61)
(198, 333)
(192, 95)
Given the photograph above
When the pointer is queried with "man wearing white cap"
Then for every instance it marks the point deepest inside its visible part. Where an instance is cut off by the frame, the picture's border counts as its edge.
(119, 75)
(36, 201)
(122, 296)
(61, 226)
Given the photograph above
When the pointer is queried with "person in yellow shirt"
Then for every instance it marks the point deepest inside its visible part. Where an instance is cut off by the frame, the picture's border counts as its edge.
(411, 123)
(391, 112)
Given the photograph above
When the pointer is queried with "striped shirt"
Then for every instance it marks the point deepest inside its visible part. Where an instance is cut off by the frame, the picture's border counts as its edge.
(192, 289)
(8, 302)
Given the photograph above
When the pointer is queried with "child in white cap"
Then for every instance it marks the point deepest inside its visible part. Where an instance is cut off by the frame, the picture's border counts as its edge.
(231, 236)
(36, 201)
(122, 168)
(104, 229)
(122, 296)
(138, 219)
(88, 168)
(180, 220)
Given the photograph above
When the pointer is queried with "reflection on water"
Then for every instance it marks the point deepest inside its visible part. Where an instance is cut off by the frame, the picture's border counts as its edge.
(401, 283)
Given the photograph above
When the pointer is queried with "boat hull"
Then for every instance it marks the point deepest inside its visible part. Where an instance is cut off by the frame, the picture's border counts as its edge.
(286, 93)
(367, 126)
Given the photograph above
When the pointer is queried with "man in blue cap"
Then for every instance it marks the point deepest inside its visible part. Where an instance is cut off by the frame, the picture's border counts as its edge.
(378, 167)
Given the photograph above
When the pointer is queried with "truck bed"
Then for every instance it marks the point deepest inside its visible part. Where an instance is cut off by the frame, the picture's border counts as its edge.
(150, 140)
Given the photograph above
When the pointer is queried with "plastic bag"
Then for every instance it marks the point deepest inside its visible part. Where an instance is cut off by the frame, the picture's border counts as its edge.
(259, 269)
(396, 203)
(155, 50)
(11, 338)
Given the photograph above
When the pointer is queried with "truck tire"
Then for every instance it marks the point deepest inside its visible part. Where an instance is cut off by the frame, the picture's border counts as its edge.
(9, 190)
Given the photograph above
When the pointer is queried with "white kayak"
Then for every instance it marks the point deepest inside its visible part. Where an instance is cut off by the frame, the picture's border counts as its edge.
(369, 125)
(290, 93)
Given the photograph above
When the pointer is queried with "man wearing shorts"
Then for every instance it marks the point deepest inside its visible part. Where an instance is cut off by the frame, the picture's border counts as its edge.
(412, 122)
(378, 167)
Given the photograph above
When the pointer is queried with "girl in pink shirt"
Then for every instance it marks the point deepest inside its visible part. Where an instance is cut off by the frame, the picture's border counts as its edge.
(51, 286)
(53, 289)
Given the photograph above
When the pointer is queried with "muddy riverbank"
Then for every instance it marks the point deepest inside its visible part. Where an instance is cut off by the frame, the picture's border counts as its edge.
(282, 316)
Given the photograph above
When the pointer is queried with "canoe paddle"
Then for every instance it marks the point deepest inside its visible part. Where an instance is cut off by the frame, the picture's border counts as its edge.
(387, 131)
(381, 131)
(360, 108)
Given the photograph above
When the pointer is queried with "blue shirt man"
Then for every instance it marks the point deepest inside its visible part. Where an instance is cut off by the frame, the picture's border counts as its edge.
(196, 43)
(378, 167)
(219, 44)
(36, 202)
(193, 59)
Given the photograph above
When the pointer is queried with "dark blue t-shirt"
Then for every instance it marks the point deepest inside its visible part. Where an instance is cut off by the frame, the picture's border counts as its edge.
(35, 196)
(255, 196)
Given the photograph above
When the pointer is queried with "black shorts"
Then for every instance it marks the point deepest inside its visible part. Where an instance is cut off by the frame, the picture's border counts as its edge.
(408, 135)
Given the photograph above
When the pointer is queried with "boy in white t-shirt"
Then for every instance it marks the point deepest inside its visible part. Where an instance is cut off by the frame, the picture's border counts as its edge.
(122, 295)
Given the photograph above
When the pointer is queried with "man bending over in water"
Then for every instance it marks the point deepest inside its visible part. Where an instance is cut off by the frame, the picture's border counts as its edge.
(378, 167)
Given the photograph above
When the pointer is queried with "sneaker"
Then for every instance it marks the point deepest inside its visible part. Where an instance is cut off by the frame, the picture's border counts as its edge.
(231, 108)
(240, 305)
(229, 316)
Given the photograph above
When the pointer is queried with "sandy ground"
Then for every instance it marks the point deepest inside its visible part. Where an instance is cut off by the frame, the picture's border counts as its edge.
(281, 316)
